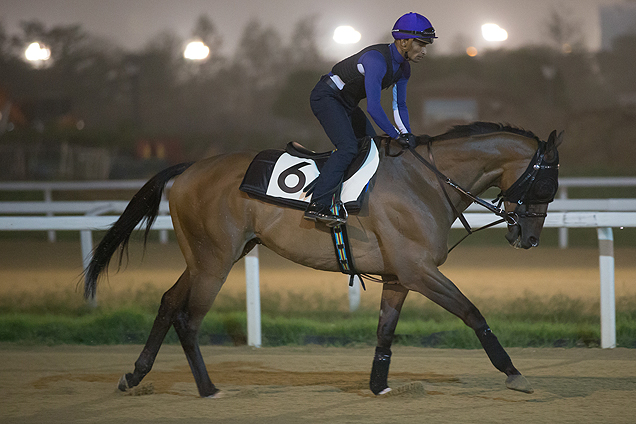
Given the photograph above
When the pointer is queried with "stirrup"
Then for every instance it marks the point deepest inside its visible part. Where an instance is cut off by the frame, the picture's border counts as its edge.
(324, 214)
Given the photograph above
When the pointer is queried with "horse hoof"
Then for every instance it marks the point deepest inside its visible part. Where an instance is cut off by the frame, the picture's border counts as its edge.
(219, 394)
(519, 383)
(123, 384)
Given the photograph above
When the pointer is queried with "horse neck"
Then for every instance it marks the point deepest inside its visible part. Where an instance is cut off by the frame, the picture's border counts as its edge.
(480, 162)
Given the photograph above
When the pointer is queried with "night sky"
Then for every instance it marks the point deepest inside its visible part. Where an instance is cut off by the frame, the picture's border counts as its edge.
(132, 23)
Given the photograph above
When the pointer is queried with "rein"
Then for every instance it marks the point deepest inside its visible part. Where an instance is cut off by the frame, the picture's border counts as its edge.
(516, 193)
(509, 218)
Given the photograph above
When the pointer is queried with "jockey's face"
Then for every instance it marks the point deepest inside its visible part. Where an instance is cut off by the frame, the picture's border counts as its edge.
(412, 49)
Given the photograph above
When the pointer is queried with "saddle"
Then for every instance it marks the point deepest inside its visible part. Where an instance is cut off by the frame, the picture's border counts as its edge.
(285, 177)
(294, 148)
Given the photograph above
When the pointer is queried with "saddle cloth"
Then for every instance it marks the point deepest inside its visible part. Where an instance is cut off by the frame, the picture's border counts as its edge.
(281, 177)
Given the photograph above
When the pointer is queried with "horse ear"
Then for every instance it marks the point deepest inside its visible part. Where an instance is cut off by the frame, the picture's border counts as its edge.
(554, 140)
(551, 139)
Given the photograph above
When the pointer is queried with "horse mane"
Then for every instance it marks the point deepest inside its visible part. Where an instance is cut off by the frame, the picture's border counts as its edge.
(482, 128)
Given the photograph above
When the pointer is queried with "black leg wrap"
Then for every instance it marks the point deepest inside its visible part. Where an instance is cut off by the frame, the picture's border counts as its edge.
(495, 351)
(380, 370)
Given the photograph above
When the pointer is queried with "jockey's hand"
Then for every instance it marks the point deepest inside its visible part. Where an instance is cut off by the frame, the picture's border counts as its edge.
(406, 140)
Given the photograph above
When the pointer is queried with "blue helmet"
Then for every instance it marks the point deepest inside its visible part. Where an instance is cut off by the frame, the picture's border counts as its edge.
(413, 25)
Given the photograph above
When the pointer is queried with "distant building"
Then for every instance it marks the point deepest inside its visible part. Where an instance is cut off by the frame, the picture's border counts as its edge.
(616, 21)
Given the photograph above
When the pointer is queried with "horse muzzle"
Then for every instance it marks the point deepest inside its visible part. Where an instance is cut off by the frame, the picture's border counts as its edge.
(515, 237)
(525, 225)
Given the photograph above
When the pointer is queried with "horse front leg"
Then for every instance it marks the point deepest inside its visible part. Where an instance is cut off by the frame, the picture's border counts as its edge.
(393, 296)
(171, 302)
(442, 291)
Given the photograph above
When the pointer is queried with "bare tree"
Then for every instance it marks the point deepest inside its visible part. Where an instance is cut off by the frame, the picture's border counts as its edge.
(564, 31)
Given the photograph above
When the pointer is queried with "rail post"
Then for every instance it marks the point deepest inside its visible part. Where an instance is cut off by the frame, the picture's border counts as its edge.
(608, 298)
(48, 198)
(86, 240)
(563, 231)
(253, 298)
(354, 294)
(163, 234)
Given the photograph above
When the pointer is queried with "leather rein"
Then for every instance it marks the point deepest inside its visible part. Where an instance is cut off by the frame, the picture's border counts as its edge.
(523, 185)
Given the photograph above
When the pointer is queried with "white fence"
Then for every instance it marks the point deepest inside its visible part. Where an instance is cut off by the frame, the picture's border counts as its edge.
(48, 187)
(566, 183)
(565, 213)
(602, 221)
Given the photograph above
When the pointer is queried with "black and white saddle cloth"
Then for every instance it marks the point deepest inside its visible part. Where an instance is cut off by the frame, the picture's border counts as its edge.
(281, 177)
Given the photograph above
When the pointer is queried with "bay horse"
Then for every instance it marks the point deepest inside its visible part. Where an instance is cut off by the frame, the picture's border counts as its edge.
(401, 233)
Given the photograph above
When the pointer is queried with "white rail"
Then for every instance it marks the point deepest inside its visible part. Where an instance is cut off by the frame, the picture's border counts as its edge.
(588, 182)
(603, 221)
(47, 188)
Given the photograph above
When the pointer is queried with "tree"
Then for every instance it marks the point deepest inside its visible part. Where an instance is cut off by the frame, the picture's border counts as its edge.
(205, 31)
(302, 51)
(260, 55)
(564, 32)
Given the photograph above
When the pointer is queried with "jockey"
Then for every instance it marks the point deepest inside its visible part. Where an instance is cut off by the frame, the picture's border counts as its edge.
(334, 100)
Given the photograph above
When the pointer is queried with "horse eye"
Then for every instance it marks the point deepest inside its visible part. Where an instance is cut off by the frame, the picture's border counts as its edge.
(544, 189)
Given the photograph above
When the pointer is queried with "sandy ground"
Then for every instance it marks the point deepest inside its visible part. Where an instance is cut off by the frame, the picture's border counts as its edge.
(76, 384)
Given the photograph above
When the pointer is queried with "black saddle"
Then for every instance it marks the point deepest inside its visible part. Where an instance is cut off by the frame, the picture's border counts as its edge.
(296, 149)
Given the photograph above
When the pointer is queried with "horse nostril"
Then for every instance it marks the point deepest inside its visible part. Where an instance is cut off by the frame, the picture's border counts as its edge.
(533, 241)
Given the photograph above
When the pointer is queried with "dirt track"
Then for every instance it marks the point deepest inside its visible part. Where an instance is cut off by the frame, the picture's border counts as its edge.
(316, 385)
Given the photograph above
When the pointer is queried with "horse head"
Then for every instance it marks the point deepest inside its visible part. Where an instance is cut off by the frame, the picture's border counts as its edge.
(526, 200)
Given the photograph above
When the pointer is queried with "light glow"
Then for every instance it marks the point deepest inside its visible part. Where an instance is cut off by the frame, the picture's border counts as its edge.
(37, 52)
(471, 51)
(196, 50)
(346, 35)
(493, 32)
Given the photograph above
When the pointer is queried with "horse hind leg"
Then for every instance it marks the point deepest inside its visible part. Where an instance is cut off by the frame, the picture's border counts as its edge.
(393, 296)
(171, 302)
(187, 323)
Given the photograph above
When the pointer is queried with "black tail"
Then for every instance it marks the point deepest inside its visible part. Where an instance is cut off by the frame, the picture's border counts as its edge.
(143, 206)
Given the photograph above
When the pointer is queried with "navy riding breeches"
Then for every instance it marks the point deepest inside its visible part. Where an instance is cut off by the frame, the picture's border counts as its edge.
(344, 125)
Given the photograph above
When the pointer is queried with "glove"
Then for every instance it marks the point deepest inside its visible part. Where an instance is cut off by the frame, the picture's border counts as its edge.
(406, 140)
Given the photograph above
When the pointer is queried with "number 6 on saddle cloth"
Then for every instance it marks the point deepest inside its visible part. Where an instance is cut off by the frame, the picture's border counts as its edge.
(282, 177)
(285, 177)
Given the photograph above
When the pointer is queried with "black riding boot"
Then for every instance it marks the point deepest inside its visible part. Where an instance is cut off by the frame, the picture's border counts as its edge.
(323, 213)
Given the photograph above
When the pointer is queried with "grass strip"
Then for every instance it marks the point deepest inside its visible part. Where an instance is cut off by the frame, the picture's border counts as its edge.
(127, 326)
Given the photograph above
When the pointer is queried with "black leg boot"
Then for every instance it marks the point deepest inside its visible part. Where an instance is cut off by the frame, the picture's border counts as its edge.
(380, 370)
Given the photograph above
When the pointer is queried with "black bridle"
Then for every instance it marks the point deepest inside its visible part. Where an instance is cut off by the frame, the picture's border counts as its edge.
(537, 185)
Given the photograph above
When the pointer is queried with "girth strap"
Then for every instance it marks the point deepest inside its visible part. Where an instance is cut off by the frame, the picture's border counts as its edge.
(343, 249)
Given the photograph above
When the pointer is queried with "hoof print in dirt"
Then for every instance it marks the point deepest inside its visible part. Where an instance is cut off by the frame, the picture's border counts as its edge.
(415, 389)
(142, 390)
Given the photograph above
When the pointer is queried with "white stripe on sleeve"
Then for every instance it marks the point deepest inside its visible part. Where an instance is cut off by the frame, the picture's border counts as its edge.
(396, 113)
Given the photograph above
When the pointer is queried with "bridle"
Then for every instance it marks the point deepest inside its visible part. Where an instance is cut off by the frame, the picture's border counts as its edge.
(537, 185)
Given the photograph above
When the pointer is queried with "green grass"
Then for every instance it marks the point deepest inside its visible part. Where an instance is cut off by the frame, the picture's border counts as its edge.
(530, 321)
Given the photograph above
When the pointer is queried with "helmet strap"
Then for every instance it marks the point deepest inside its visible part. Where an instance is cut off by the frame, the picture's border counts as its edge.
(403, 45)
